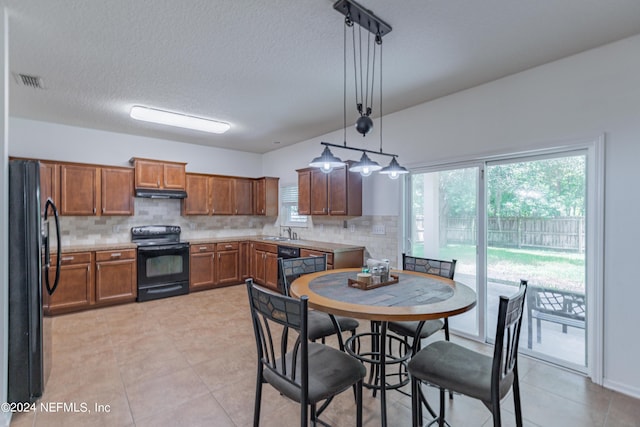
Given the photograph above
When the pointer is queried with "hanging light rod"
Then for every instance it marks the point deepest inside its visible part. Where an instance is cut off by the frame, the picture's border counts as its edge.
(363, 17)
(362, 150)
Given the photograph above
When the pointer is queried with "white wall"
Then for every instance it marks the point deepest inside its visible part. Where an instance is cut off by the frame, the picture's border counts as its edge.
(52, 141)
(581, 96)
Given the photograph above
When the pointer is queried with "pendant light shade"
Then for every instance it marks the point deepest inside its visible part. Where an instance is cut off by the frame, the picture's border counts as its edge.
(394, 170)
(326, 161)
(365, 166)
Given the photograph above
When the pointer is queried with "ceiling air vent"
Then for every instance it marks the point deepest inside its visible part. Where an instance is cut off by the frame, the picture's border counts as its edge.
(30, 81)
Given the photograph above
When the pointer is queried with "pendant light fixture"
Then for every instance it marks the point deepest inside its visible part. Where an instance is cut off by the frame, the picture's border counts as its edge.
(364, 64)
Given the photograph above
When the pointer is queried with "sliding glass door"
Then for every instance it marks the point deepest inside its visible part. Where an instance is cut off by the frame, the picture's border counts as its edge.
(506, 220)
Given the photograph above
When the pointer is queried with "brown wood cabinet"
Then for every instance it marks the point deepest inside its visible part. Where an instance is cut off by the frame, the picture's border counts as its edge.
(49, 184)
(153, 174)
(350, 258)
(227, 263)
(116, 280)
(202, 269)
(75, 289)
(265, 196)
(265, 265)
(78, 189)
(198, 200)
(222, 195)
(336, 193)
(243, 196)
(116, 195)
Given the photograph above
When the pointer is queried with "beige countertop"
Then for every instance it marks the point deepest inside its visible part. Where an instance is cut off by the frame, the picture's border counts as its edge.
(307, 244)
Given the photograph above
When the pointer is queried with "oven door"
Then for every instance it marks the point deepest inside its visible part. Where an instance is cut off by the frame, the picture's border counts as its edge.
(163, 270)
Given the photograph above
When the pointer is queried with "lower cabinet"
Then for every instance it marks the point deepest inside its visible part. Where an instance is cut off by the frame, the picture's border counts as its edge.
(91, 279)
(228, 263)
(116, 280)
(265, 265)
(75, 289)
(202, 267)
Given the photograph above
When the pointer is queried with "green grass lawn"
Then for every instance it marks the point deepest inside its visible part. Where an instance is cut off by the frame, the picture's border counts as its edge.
(544, 268)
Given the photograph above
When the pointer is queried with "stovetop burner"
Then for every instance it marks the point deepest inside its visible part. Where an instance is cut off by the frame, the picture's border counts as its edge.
(148, 235)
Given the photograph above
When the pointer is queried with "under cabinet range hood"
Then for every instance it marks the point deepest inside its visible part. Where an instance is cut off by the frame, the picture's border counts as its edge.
(160, 193)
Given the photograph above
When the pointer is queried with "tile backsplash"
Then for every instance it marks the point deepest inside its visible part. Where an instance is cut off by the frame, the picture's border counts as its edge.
(83, 230)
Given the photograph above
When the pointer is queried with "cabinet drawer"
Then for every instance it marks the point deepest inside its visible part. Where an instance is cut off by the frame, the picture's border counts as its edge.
(206, 247)
(73, 258)
(229, 246)
(115, 255)
(266, 247)
(309, 252)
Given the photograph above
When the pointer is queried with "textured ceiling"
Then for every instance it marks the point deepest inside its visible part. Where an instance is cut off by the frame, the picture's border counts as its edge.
(273, 69)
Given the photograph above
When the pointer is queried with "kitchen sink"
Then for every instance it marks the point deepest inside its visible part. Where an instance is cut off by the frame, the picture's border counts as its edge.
(276, 239)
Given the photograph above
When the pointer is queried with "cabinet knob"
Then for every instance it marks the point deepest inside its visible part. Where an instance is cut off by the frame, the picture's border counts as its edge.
(158, 183)
(94, 210)
(202, 248)
(67, 258)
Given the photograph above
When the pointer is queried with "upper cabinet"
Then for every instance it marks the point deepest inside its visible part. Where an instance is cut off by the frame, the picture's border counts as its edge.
(87, 190)
(265, 196)
(336, 193)
(157, 174)
(49, 184)
(116, 191)
(227, 195)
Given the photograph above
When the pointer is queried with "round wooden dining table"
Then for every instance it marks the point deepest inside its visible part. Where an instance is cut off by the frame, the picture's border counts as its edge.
(416, 296)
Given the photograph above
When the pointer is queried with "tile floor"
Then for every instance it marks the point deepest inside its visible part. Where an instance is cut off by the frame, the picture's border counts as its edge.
(190, 361)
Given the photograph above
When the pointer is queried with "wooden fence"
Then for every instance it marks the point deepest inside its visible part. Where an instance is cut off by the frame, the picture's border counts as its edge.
(565, 234)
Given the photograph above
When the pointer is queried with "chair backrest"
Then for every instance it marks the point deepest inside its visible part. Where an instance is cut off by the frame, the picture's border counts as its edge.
(292, 268)
(277, 318)
(505, 353)
(431, 266)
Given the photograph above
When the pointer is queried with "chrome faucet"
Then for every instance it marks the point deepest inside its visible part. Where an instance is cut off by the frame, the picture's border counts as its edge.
(288, 230)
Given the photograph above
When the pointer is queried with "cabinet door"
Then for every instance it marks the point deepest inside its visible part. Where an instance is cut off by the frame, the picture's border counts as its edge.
(228, 267)
(117, 191)
(78, 185)
(75, 289)
(304, 192)
(222, 195)
(116, 281)
(271, 270)
(337, 191)
(258, 265)
(49, 184)
(258, 196)
(197, 201)
(149, 173)
(319, 197)
(174, 176)
(245, 260)
(202, 270)
(243, 200)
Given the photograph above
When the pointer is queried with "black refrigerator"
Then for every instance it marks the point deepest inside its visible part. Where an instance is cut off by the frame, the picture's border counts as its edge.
(29, 332)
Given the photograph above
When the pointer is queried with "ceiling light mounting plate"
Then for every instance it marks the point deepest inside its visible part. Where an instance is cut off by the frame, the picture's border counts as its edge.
(363, 17)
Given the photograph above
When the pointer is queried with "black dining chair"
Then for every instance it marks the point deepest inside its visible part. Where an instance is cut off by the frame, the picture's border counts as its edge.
(320, 323)
(453, 367)
(409, 330)
(304, 371)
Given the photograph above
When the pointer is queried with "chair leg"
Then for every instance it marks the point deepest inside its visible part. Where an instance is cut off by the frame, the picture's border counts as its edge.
(495, 410)
(359, 404)
(256, 407)
(416, 403)
(516, 397)
(441, 418)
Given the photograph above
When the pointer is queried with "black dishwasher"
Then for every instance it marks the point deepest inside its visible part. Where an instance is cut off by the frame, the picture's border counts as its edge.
(285, 252)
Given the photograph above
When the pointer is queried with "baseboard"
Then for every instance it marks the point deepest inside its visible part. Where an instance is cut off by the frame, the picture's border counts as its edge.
(622, 388)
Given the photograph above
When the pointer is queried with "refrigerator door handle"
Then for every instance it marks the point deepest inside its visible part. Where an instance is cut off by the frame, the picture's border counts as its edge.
(52, 289)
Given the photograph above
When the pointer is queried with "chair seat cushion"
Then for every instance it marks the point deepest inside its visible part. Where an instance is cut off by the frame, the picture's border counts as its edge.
(456, 368)
(331, 371)
(408, 329)
(320, 324)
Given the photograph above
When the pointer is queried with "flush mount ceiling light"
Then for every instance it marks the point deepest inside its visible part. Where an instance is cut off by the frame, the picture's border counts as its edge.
(179, 120)
(364, 64)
